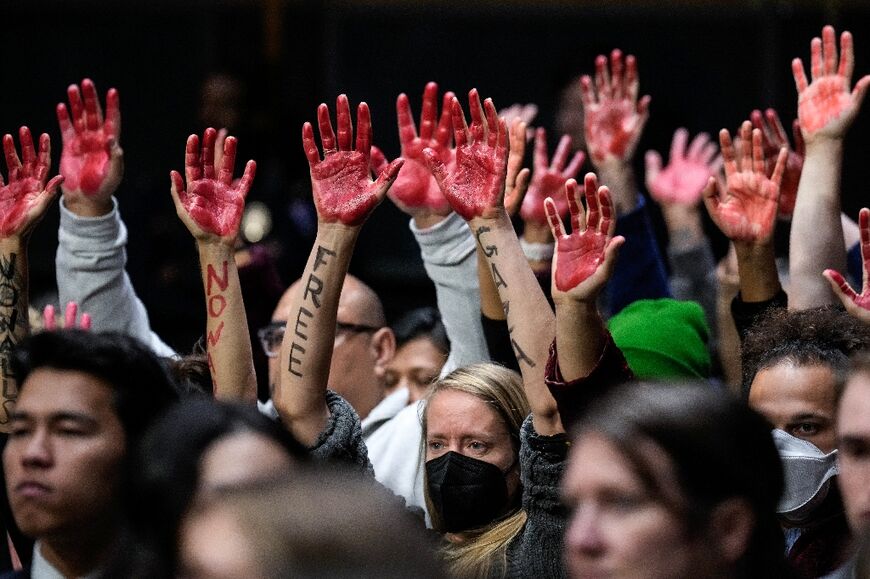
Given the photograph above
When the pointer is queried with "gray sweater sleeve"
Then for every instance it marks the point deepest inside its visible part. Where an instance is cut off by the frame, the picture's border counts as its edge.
(90, 268)
(448, 255)
(341, 440)
(693, 277)
(537, 551)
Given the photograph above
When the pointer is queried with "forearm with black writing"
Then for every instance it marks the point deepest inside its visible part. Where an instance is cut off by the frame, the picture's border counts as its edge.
(306, 352)
(14, 322)
(529, 317)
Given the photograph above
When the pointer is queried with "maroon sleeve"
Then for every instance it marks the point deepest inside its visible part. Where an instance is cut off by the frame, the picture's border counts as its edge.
(574, 398)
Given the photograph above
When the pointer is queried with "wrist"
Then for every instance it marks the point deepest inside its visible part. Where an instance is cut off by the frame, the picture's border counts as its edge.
(88, 207)
(824, 144)
(14, 243)
(426, 219)
(499, 219)
(575, 307)
(214, 248)
(337, 233)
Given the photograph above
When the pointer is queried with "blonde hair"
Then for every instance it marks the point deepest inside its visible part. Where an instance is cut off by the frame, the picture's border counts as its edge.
(483, 552)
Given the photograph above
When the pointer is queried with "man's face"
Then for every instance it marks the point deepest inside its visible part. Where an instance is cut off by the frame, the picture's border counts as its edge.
(853, 436)
(799, 399)
(356, 372)
(65, 453)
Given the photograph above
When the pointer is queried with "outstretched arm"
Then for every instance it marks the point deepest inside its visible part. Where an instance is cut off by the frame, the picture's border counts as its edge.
(826, 110)
(475, 190)
(614, 119)
(91, 257)
(24, 198)
(446, 245)
(344, 196)
(211, 208)
(582, 264)
(746, 211)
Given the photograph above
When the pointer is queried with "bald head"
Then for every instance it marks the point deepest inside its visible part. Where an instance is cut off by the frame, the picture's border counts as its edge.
(358, 303)
(360, 357)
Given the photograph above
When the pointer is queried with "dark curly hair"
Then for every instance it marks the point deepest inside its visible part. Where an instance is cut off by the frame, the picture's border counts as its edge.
(825, 335)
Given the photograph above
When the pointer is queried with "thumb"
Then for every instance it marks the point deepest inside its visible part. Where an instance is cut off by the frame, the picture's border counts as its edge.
(378, 161)
(436, 167)
(387, 177)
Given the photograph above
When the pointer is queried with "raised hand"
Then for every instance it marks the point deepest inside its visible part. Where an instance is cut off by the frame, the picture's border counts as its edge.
(26, 196)
(49, 323)
(613, 116)
(549, 178)
(415, 190)
(211, 206)
(343, 190)
(746, 210)
(583, 260)
(773, 138)
(475, 186)
(826, 107)
(91, 162)
(687, 172)
(856, 304)
(525, 113)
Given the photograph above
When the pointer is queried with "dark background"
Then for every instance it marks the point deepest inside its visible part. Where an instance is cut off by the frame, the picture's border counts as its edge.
(706, 65)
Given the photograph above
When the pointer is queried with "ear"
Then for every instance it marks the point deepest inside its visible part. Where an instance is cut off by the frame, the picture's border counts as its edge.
(383, 349)
(730, 528)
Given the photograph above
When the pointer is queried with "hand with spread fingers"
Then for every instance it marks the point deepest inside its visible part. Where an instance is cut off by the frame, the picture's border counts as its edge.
(25, 196)
(343, 190)
(415, 190)
(683, 180)
(746, 210)
(614, 118)
(475, 186)
(584, 259)
(212, 205)
(826, 106)
(549, 178)
(91, 161)
(856, 304)
(773, 138)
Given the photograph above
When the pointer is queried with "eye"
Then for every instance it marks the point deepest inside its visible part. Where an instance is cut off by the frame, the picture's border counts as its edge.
(19, 431)
(477, 446)
(804, 429)
(435, 445)
(391, 378)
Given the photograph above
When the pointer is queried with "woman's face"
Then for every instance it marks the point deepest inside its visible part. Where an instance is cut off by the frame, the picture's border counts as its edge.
(213, 546)
(240, 458)
(799, 399)
(617, 528)
(465, 424)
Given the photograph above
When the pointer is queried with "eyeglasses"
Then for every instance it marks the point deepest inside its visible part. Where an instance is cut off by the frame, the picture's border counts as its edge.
(272, 335)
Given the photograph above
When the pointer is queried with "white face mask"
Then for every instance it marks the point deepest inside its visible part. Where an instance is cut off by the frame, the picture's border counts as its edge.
(808, 473)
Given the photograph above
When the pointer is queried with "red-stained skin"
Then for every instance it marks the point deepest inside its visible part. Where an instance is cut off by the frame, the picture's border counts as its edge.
(87, 139)
(823, 101)
(214, 202)
(475, 186)
(862, 300)
(549, 178)
(415, 186)
(773, 138)
(613, 118)
(747, 213)
(579, 254)
(686, 174)
(26, 180)
(340, 182)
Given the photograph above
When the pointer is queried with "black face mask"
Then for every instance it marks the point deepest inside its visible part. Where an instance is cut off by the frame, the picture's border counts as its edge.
(467, 493)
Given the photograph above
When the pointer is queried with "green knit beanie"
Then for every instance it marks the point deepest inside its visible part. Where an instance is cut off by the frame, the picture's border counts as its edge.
(663, 338)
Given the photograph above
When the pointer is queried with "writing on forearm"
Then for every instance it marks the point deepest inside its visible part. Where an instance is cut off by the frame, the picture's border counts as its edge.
(217, 303)
(12, 328)
(313, 289)
(489, 251)
(518, 351)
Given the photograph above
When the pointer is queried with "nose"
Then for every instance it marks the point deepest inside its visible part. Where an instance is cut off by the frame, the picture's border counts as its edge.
(37, 451)
(584, 536)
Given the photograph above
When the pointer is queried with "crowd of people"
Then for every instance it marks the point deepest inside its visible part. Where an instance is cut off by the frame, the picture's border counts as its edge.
(577, 404)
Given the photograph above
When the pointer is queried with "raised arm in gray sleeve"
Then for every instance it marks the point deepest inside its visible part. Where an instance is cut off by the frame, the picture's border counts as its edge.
(448, 251)
(90, 268)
